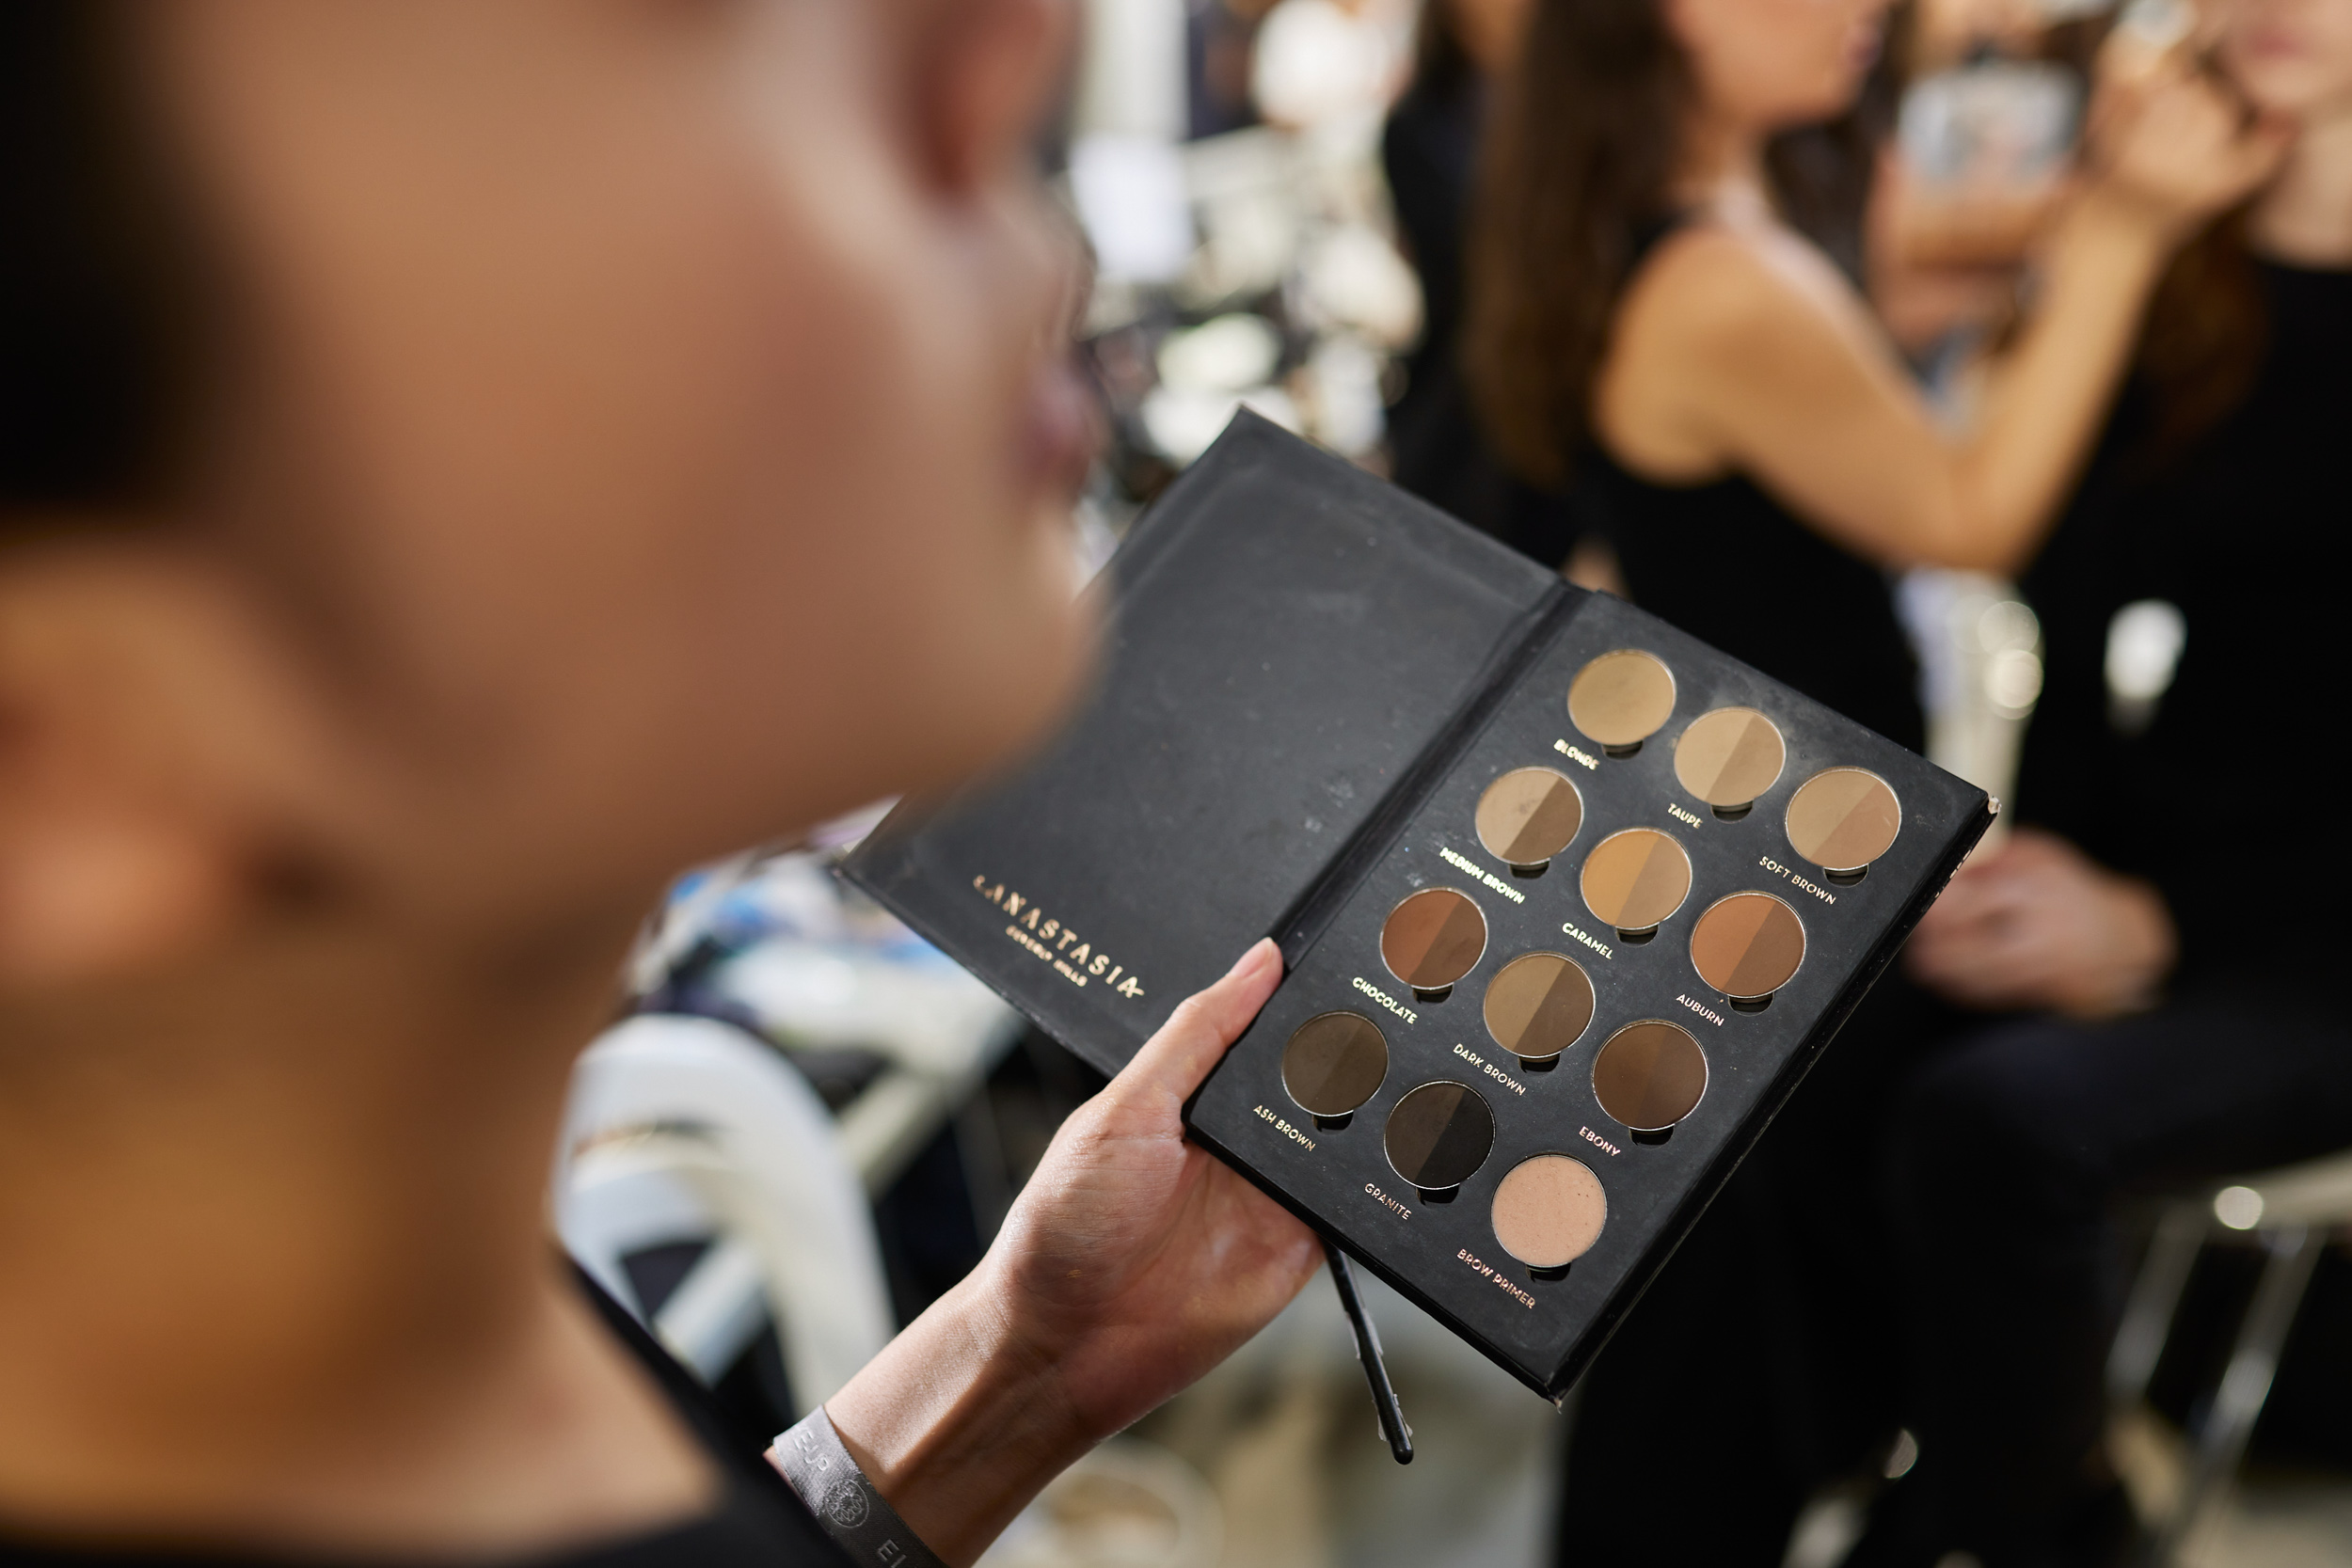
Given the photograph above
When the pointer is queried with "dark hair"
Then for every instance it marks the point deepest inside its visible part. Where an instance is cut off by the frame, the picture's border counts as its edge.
(92, 333)
(1442, 67)
(1579, 159)
(1579, 152)
(2207, 331)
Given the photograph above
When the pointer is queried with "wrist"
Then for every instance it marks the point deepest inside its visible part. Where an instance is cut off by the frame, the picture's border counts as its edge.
(2139, 948)
(2156, 941)
(2114, 219)
(961, 1419)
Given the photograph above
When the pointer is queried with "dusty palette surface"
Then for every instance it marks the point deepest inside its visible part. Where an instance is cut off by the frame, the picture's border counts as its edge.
(1568, 899)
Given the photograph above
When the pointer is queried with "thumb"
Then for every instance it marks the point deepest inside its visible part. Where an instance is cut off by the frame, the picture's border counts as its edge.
(1198, 1034)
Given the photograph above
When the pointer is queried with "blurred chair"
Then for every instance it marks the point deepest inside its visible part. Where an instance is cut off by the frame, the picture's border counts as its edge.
(685, 1128)
(2291, 1214)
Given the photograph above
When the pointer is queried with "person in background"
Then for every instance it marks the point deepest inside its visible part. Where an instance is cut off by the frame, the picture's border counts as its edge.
(455, 471)
(2176, 1021)
(1648, 331)
(1429, 152)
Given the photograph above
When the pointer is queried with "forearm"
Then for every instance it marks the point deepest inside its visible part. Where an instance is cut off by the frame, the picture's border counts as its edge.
(2048, 396)
(959, 1424)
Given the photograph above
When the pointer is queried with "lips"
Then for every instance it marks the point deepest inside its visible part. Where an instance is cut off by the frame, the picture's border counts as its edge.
(1059, 431)
(2269, 44)
(1861, 52)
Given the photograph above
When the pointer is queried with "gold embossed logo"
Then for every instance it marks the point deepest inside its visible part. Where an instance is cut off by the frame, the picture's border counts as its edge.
(1052, 940)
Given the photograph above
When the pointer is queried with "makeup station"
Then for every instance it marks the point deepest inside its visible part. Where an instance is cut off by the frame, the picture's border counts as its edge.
(1568, 901)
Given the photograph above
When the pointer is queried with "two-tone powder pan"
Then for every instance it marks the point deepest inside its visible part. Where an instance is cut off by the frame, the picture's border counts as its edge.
(1335, 1061)
(1634, 879)
(1528, 815)
(1437, 1136)
(1650, 1075)
(1568, 901)
(1747, 947)
(1729, 757)
(1432, 939)
(1843, 819)
(1538, 1005)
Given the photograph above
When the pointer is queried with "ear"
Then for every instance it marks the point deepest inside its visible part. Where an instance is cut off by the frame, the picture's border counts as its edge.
(988, 70)
(116, 852)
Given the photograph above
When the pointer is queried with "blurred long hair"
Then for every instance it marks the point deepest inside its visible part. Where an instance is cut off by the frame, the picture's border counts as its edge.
(1442, 65)
(1580, 153)
(2207, 335)
(99, 275)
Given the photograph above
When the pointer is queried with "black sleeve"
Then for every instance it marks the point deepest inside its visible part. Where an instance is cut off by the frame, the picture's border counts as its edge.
(761, 1505)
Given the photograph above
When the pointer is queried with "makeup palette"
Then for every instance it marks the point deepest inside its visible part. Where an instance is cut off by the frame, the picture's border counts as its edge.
(1568, 900)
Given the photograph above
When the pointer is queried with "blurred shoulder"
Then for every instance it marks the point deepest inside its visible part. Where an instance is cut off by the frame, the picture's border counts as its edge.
(1718, 320)
(1713, 285)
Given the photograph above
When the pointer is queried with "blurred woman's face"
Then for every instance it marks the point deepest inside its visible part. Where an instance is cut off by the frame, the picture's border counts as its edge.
(1773, 64)
(2290, 58)
(651, 411)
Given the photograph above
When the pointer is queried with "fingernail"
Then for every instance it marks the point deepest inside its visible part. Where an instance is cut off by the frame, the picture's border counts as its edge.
(1261, 954)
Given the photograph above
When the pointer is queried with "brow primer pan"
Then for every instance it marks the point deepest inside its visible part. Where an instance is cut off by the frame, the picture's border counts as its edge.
(1568, 901)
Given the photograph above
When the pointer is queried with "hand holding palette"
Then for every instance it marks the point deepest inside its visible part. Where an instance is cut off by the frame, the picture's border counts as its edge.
(1570, 901)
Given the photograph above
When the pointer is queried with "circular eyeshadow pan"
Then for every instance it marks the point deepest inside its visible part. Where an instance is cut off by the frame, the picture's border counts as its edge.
(1432, 937)
(1747, 945)
(1635, 878)
(1439, 1135)
(1844, 818)
(1650, 1075)
(1729, 757)
(1538, 1005)
(1335, 1062)
(1549, 1210)
(1621, 698)
(1528, 815)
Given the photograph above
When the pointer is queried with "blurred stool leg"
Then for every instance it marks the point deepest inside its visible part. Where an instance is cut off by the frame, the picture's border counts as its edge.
(2221, 1438)
(2155, 1297)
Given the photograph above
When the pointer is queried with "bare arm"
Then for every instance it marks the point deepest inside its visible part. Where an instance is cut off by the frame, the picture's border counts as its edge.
(1131, 1264)
(1740, 348)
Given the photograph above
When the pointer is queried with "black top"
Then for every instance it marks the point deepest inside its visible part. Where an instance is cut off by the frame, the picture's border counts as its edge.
(1728, 564)
(1430, 151)
(760, 1523)
(2226, 800)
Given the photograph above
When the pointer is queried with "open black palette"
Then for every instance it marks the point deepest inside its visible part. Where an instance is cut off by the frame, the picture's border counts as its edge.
(1568, 901)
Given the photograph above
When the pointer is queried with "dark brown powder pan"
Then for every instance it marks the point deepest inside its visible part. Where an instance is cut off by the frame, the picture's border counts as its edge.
(1650, 1075)
(1432, 939)
(1439, 1135)
(1538, 1005)
(1335, 1062)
